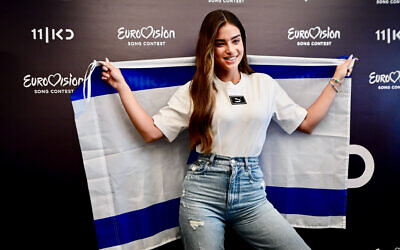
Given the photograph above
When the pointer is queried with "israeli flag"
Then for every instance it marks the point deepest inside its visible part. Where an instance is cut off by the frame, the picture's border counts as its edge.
(135, 187)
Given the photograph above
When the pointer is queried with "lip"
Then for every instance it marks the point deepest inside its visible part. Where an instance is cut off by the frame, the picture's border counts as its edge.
(231, 59)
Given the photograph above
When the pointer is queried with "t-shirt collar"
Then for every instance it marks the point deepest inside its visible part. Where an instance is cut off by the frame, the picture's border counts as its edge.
(229, 83)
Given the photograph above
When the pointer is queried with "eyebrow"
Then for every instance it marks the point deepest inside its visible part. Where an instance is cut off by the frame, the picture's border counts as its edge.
(221, 40)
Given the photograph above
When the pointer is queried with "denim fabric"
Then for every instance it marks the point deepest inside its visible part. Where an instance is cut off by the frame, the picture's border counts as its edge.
(220, 191)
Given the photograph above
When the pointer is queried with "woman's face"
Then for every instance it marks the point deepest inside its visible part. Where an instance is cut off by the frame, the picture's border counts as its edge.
(228, 49)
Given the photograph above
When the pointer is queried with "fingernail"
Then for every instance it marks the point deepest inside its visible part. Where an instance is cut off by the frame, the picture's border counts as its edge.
(107, 59)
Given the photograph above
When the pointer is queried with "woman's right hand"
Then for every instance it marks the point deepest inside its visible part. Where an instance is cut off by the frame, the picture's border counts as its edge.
(112, 75)
(140, 118)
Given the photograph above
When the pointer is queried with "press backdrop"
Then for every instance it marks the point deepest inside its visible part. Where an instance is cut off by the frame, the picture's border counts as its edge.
(47, 45)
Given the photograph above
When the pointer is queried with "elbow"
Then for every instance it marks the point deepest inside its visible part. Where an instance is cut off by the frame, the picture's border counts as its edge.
(306, 128)
(307, 131)
(150, 137)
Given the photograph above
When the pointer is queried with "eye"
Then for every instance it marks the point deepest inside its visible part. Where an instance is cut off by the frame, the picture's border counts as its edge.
(236, 41)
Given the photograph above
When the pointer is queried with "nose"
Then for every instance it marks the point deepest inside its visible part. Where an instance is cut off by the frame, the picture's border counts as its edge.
(229, 48)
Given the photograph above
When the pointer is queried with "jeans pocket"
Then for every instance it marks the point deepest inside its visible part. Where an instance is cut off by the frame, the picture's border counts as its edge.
(255, 174)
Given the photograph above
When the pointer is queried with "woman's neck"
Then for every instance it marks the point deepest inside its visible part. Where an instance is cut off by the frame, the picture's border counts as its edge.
(231, 76)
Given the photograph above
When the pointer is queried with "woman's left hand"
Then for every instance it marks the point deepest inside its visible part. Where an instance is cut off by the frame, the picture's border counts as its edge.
(344, 69)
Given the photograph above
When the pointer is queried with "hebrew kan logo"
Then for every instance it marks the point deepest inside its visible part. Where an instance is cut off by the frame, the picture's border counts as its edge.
(48, 34)
(388, 35)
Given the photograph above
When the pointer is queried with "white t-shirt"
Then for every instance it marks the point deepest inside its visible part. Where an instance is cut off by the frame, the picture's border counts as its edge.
(238, 130)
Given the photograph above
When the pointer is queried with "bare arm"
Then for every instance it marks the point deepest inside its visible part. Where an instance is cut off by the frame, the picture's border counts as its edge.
(142, 121)
(318, 110)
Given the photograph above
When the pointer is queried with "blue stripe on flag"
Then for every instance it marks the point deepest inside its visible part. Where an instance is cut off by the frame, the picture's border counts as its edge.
(292, 72)
(308, 201)
(139, 79)
(139, 224)
(143, 223)
(149, 78)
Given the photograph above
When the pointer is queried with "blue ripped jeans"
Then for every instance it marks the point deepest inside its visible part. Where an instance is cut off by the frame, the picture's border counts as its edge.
(220, 191)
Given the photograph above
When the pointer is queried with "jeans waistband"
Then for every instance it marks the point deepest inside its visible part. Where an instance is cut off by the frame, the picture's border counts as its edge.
(221, 158)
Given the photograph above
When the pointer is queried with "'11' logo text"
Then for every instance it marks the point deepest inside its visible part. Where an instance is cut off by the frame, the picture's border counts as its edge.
(388, 35)
(52, 34)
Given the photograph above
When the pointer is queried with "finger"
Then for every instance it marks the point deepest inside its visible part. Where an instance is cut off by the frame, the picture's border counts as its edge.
(350, 57)
(349, 60)
(104, 74)
(351, 65)
(104, 66)
(349, 72)
(105, 62)
(352, 62)
(109, 65)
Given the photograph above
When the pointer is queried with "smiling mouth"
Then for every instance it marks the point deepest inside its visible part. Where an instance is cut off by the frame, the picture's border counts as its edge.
(231, 59)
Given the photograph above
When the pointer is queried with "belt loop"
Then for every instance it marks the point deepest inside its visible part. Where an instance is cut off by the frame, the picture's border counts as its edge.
(212, 158)
(246, 160)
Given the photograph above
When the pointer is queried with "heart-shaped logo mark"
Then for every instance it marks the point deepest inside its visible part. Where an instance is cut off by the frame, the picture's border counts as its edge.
(147, 31)
(54, 79)
(395, 76)
(314, 32)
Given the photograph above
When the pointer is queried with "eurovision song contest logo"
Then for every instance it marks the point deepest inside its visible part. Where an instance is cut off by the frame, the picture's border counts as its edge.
(315, 36)
(146, 36)
(52, 84)
(390, 81)
(387, 2)
(226, 1)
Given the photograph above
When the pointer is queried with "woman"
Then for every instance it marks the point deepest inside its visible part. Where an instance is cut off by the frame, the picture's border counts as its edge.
(227, 108)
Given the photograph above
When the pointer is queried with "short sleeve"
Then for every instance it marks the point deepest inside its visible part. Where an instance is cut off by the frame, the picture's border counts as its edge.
(174, 117)
(286, 112)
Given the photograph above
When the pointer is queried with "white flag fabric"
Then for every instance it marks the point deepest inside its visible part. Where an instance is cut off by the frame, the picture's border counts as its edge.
(135, 187)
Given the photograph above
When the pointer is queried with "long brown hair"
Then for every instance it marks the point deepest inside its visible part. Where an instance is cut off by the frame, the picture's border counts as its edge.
(202, 88)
